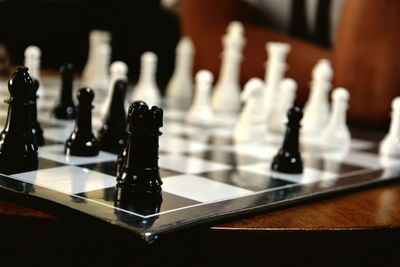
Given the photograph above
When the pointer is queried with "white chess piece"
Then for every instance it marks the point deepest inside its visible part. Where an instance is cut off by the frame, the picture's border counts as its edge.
(99, 78)
(200, 112)
(316, 109)
(275, 68)
(226, 99)
(336, 134)
(146, 89)
(96, 37)
(32, 62)
(118, 71)
(390, 145)
(287, 91)
(251, 124)
(178, 94)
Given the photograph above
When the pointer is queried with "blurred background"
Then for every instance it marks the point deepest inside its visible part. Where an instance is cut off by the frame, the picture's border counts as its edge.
(360, 37)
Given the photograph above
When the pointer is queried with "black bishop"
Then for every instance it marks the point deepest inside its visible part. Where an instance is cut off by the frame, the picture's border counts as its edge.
(18, 148)
(112, 135)
(65, 108)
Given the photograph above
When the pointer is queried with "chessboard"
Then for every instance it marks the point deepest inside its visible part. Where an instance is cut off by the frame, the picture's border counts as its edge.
(206, 176)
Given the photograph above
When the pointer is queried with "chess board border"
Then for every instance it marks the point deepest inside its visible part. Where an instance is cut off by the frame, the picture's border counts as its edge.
(149, 227)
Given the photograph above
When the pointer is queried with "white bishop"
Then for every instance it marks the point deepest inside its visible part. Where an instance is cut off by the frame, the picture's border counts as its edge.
(200, 113)
(146, 89)
(178, 94)
(390, 145)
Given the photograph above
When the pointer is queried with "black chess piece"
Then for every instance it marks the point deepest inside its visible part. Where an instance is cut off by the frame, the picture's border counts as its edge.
(36, 128)
(112, 135)
(65, 109)
(288, 159)
(82, 141)
(18, 149)
(139, 174)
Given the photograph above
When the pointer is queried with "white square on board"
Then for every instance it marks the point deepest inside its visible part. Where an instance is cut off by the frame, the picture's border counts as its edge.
(67, 179)
(201, 189)
(188, 164)
(56, 153)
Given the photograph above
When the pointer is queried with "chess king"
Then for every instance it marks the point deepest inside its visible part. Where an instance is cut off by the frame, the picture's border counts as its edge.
(18, 148)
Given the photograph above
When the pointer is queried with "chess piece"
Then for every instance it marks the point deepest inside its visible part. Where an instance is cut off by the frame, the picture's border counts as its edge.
(287, 95)
(139, 174)
(96, 37)
(200, 113)
(35, 125)
(390, 145)
(336, 133)
(18, 149)
(65, 108)
(251, 124)
(112, 135)
(146, 89)
(288, 159)
(316, 110)
(118, 71)
(275, 69)
(82, 141)
(226, 99)
(180, 88)
(32, 62)
(98, 79)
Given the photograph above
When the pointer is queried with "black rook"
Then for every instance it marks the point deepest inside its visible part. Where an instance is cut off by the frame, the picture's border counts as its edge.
(139, 173)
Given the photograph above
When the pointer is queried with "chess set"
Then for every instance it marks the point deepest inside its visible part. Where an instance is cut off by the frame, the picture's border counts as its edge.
(210, 170)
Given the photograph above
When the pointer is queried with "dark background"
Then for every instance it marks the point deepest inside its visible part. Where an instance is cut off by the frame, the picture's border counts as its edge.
(61, 29)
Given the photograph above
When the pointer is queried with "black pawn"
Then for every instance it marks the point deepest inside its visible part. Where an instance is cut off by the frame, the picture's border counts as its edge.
(18, 149)
(139, 174)
(112, 135)
(65, 109)
(36, 128)
(288, 159)
(82, 141)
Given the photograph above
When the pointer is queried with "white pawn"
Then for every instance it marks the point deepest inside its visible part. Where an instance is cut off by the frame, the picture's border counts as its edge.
(226, 97)
(336, 134)
(96, 37)
(200, 113)
(178, 94)
(32, 62)
(316, 110)
(146, 89)
(287, 88)
(390, 145)
(275, 69)
(99, 79)
(118, 71)
(251, 124)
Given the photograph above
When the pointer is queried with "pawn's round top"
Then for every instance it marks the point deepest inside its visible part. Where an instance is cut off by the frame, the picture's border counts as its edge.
(235, 28)
(340, 94)
(69, 67)
(396, 103)
(288, 84)
(85, 96)
(20, 84)
(118, 68)
(149, 58)
(294, 116)
(323, 70)
(136, 105)
(32, 52)
(204, 76)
